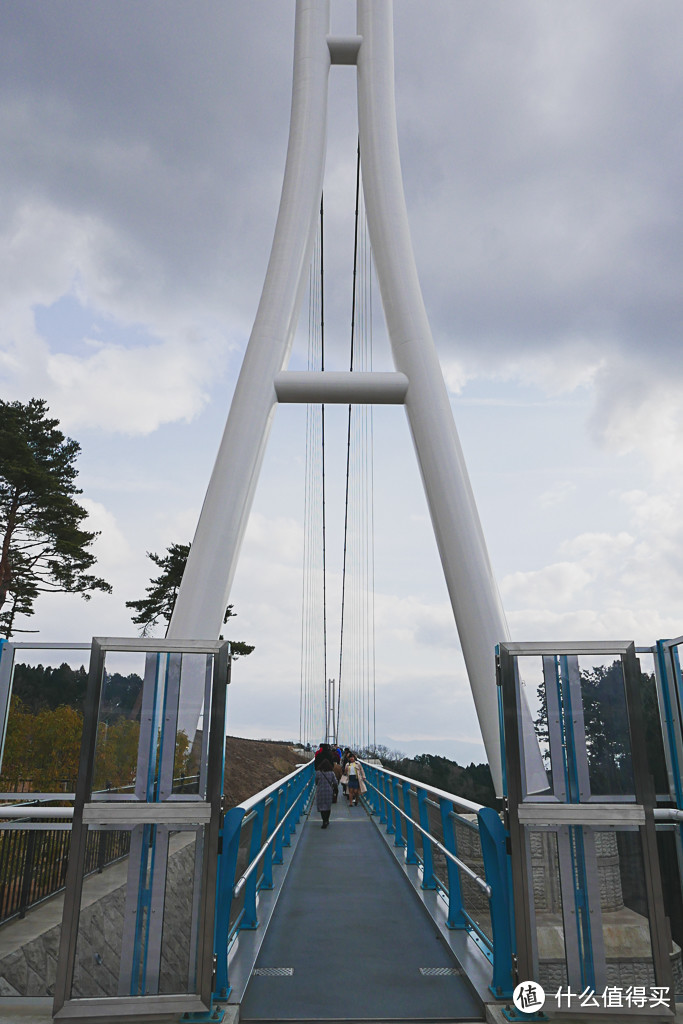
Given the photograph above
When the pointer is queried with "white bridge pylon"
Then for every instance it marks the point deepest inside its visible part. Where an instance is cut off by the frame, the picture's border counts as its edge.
(418, 383)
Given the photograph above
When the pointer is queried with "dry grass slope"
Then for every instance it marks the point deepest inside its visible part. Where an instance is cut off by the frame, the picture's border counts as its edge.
(251, 765)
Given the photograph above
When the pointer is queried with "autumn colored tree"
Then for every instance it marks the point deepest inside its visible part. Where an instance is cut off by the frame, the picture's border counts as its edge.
(41, 751)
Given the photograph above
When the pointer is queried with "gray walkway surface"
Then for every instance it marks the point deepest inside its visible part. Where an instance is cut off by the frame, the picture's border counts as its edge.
(352, 937)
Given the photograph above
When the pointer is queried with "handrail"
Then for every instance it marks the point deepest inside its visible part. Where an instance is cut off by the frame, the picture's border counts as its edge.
(28, 800)
(469, 805)
(277, 810)
(25, 798)
(483, 885)
(387, 791)
(668, 814)
(239, 884)
(251, 801)
(10, 811)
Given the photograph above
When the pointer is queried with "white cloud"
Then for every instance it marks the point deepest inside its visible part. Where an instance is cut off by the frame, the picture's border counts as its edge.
(555, 584)
(639, 409)
(557, 494)
(111, 548)
(131, 391)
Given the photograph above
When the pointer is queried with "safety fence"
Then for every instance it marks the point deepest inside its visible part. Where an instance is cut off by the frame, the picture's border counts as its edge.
(34, 857)
(35, 839)
(253, 838)
(461, 850)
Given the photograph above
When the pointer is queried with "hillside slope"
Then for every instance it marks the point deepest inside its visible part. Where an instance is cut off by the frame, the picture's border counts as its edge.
(252, 765)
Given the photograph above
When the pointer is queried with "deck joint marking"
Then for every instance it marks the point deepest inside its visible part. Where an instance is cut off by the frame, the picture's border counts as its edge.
(440, 972)
(274, 972)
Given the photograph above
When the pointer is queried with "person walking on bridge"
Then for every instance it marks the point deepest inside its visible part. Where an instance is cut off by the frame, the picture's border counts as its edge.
(354, 770)
(326, 787)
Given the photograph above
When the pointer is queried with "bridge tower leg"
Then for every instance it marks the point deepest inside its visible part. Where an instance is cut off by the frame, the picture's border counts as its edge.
(474, 596)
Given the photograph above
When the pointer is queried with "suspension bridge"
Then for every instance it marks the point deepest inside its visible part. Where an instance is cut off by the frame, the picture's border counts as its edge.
(417, 904)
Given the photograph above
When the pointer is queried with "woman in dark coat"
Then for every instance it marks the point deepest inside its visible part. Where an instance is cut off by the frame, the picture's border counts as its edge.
(326, 784)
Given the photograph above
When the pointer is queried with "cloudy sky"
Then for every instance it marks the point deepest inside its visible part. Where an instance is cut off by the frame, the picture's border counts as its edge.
(142, 146)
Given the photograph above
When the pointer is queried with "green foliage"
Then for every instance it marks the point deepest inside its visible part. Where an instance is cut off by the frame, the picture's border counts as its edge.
(43, 748)
(473, 782)
(43, 687)
(237, 647)
(116, 754)
(163, 591)
(120, 695)
(43, 547)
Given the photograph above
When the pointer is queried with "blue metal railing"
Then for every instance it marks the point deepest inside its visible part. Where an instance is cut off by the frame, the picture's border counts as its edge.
(253, 838)
(438, 834)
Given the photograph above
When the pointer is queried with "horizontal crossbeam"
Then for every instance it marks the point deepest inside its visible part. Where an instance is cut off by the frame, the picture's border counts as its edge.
(341, 387)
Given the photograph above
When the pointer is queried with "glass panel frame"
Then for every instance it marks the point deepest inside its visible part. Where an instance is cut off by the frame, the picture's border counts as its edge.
(153, 813)
(581, 817)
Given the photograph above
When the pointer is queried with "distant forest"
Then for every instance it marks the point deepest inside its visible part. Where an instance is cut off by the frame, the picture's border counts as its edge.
(473, 782)
(41, 696)
(43, 688)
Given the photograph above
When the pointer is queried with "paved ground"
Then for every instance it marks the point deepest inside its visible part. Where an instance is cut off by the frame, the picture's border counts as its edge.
(354, 936)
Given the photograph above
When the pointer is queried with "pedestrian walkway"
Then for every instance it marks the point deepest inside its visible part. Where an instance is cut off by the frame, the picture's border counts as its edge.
(350, 940)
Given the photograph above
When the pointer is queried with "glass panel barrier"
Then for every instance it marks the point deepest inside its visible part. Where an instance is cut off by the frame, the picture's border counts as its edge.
(548, 916)
(42, 694)
(588, 899)
(151, 775)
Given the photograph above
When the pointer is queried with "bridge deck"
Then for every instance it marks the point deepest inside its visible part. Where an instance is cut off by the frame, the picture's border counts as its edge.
(354, 936)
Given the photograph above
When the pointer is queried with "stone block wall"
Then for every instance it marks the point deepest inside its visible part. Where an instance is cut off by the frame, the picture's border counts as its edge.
(31, 969)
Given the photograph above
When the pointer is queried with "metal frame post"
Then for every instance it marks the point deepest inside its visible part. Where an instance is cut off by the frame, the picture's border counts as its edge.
(249, 919)
(230, 844)
(381, 782)
(497, 869)
(267, 878)
(428, 879)
(456, 918)
(398, 821)
(411, 856)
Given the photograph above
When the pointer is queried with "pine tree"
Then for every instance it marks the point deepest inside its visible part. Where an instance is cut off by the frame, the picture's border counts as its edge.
(44, 548)
(163, 591)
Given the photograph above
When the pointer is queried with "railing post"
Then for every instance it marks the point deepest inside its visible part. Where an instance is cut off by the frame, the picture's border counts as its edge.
(497, 868)
(267, 882)
(227, 865)
(428, 880)
(294, 816)
(101, 852)
(27, 876)
(371, 795)
(281, 797)
(381, 778)
(411, 856)
(249, 919)
(286, 828)
(456, 918)
(390, 810)
(309, 785)
(399, 840)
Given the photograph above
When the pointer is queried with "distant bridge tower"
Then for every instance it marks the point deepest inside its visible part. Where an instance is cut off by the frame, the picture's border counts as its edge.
(418, 382)
(331, 725)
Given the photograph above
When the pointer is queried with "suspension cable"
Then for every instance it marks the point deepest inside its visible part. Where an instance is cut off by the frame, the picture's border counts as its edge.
(348, 433)
(322, 421)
